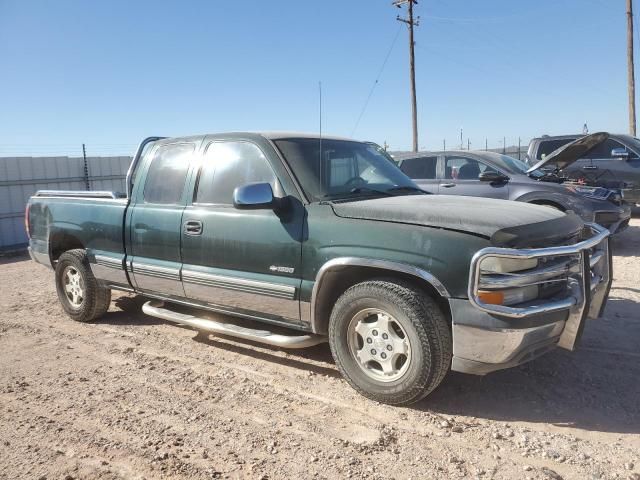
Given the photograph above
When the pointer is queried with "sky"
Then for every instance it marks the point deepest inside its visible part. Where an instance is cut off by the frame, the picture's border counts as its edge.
(110, 73)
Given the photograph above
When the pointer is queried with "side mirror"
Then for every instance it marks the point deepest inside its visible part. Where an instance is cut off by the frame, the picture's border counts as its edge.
(619, 153)
(493, 177)
(254, 196)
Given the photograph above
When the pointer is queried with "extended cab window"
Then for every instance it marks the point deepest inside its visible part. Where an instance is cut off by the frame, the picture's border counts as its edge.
(228, 165)
(422, 168)
(464, 168)
(167, 173)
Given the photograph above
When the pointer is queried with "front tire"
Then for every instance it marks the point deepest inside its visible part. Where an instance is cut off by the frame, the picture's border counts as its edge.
(82, 298)
(390, 340)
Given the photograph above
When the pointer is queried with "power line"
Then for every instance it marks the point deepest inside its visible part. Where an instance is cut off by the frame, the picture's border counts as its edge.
(375, 83)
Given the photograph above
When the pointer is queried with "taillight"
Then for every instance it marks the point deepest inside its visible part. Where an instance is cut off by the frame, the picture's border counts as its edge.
(26, 220)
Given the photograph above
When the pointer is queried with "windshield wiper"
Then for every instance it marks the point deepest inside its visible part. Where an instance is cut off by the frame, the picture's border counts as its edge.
(370, 190)
(407, 188)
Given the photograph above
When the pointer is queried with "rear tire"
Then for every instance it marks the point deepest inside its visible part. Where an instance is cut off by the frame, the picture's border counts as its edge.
(82, 298)
(390, 340)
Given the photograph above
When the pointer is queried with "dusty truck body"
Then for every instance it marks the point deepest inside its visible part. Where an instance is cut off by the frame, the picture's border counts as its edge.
(323, 239)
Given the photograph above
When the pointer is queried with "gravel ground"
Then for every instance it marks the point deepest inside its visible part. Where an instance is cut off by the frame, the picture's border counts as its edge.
(131, 396)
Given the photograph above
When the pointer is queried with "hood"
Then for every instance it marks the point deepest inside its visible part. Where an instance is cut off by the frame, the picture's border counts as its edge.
(506, 223)
(571, 152)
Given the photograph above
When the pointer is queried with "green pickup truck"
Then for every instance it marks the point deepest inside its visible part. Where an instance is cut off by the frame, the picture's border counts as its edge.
(306, 239)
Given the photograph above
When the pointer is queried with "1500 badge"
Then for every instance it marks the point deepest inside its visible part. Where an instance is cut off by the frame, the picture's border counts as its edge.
(277, 268)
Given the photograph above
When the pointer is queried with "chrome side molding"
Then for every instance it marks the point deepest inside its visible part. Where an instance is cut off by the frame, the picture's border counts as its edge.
(155, 308)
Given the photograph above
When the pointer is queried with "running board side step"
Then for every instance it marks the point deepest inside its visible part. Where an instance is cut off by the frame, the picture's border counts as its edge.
(156, 309)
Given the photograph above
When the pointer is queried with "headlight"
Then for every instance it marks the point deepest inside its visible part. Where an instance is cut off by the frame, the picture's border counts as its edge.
(516, 280)
(507, 265)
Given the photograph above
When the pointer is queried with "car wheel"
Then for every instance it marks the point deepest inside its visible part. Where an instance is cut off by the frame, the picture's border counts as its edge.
(390, 340)
(82, 298)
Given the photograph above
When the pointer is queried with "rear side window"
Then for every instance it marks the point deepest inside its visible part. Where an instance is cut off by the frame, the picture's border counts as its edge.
(167, 173)
(423, 167)
(228, 165)
(548, 146)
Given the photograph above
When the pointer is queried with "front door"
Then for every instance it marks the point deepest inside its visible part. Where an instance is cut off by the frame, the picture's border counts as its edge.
(242, 261)
(461, 178)
(155, 219)
(612, 172)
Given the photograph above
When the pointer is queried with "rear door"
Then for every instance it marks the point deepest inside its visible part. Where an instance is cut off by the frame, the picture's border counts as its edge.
(422, 170)
(154, 220)
(241, 261)
(461, 174)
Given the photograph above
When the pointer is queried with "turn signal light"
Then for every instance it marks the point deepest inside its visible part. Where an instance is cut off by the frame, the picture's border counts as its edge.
(491, 297)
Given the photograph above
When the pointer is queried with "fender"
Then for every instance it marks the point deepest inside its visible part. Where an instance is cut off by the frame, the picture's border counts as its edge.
(340, 262)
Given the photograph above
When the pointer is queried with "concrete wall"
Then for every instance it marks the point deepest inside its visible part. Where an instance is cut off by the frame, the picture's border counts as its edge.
(21, 177)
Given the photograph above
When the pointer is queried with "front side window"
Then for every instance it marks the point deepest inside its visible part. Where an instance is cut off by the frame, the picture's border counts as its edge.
(343, 169)
(227, 165)
(603, 151)
(167, 174)
(422, 168)
(464, 168)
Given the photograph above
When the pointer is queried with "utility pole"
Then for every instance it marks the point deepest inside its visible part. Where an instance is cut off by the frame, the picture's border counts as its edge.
(86, 168)
(519, 146)
(412, 70)
(630, 70)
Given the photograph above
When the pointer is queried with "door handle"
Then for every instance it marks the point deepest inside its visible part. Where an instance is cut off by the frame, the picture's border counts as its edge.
(141, 226)
(589, 167)
(193, 227)
(447, 185)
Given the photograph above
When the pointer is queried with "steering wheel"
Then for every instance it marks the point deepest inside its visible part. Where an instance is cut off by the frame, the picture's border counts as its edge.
(354, 181)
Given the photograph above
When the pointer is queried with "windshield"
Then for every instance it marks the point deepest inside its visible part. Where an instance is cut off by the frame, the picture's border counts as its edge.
(348, 169)
(512, 165)
(632, 141)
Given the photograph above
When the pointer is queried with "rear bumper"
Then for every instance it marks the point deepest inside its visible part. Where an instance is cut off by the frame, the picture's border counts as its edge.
(37, 255)
(493, 337)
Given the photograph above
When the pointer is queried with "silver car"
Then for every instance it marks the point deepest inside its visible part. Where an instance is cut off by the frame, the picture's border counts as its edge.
(492, 175)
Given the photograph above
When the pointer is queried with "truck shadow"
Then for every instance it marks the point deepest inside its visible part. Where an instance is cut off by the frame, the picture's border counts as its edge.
(594, 388)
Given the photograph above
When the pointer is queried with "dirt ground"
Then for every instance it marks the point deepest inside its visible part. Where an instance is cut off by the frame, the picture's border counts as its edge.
(131, 396)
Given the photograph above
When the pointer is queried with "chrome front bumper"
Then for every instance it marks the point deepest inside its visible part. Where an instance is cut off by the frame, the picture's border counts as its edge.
(490, 337)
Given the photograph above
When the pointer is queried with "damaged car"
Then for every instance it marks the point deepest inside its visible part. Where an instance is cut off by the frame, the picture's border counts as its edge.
(493, 175)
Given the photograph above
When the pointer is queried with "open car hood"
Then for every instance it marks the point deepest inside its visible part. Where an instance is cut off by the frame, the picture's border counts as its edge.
(569, 153)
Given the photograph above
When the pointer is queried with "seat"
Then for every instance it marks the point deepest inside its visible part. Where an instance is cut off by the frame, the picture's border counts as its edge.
(469, 171)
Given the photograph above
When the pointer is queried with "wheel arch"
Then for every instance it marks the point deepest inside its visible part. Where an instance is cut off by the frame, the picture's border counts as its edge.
(61, 241)
(339, 274)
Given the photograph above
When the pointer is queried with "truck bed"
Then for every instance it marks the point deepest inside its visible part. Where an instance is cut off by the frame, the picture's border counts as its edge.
(90, 220)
